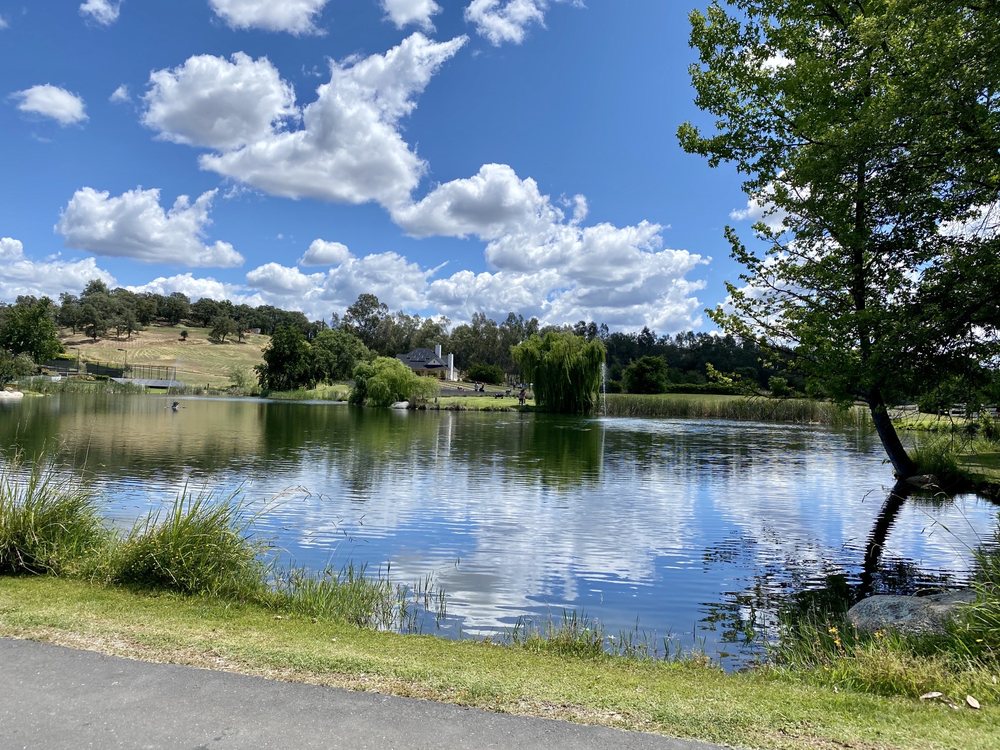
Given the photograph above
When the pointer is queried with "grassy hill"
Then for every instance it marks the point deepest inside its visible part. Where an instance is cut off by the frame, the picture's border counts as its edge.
(198, 360)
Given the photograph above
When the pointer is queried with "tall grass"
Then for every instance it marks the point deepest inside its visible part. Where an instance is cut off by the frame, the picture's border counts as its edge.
(78, 385)
(46, 525)
(352, 596)
(962, 660)
(197, 546)
(753, 409)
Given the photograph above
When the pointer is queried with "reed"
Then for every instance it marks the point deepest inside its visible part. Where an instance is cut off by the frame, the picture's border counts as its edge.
(750, 409)
(47, 526)
(351, 595)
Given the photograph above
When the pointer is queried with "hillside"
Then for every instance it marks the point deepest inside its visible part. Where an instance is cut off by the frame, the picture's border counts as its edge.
(198, 360)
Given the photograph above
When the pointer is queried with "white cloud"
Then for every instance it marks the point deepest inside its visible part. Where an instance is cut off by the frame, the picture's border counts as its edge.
(323, 253)
(761, 209)
(281, 280)
(349, 149)
(196, 288)
(208, 101)
(396, 281)
(491, 204)
(104, 12)
(48, 278)
(508, 20)
(3, 23)
(134, 225)
(548, 266)
(293, 16)
(51, 101)
(120, 95)
(404, 12)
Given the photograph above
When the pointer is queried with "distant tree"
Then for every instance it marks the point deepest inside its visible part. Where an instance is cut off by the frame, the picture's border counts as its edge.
(173, 309)
(29, 327)
(481, 373)
(565, 370)
(14, 366)
(287, 362)
(184, 335)
(222, 326)
(204, 311)
(363, 319)
(386, 380)
(336, 352)
(646, 375)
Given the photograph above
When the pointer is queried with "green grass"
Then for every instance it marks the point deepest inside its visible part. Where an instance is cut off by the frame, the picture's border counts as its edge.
(754, 710)
(476, 403)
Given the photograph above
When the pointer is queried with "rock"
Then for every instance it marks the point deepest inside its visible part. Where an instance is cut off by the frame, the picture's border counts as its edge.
(908, 614)
(401, 405)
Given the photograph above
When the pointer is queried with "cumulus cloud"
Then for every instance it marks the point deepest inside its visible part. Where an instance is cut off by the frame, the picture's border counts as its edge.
(134, 225)
(323, 253)
(51, 101)
(43, 278)
(760, 208)
(196, 288)
(104, 12)
(547, 265)
(278, 279)
(294, 16)
(3, 23)
(120, 95)
(502, 21)
(405, 12)
(349, 149)
(209, 101)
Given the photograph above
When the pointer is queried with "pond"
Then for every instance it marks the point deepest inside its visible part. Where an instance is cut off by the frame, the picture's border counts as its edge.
(693, 533)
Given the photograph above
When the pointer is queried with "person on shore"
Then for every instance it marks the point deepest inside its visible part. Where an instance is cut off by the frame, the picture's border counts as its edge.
(521, 397)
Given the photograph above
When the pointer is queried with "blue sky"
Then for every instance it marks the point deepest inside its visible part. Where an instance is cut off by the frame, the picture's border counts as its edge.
(449, 156)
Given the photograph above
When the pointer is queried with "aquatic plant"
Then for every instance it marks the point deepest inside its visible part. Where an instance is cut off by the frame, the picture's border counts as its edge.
(751, 409)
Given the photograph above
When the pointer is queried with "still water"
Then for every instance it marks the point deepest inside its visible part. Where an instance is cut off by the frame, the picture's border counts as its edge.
(696, 532)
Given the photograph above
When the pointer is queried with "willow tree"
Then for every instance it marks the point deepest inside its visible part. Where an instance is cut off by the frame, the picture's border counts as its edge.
(868, 132)
(565, 370)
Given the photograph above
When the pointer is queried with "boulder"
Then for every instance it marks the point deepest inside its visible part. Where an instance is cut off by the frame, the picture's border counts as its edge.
(908, 614)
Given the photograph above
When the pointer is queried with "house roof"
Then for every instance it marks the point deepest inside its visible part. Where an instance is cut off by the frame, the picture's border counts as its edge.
(422, 359)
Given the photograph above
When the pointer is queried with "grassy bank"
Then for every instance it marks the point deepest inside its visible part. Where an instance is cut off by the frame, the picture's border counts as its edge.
(322, 392)
(188, 585)
(764, 710)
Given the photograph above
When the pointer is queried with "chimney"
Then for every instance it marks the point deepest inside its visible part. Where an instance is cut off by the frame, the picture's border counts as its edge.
(437, 350)
(451, 367)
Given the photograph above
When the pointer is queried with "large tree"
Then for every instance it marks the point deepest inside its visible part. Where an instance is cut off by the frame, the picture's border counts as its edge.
(564, 369)
(28, 327)
(868, 132)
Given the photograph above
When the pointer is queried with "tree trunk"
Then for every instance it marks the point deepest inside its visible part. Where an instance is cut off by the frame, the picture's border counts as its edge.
(902, 464)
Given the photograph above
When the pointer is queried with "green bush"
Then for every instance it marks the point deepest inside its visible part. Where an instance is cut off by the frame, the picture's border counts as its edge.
(46, 525)
(198, 546)
(480, 373)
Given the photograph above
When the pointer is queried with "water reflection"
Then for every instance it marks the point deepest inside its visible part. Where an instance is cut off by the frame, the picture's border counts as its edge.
(700, 530)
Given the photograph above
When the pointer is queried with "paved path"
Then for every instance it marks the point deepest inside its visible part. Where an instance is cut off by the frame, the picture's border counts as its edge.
(54, 698)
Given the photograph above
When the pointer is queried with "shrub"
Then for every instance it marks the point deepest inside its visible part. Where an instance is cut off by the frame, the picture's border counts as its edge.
(198, 547)
(481, 373)
(46, 526)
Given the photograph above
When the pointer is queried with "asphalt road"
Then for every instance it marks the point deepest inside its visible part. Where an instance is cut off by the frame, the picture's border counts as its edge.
(54, 698)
